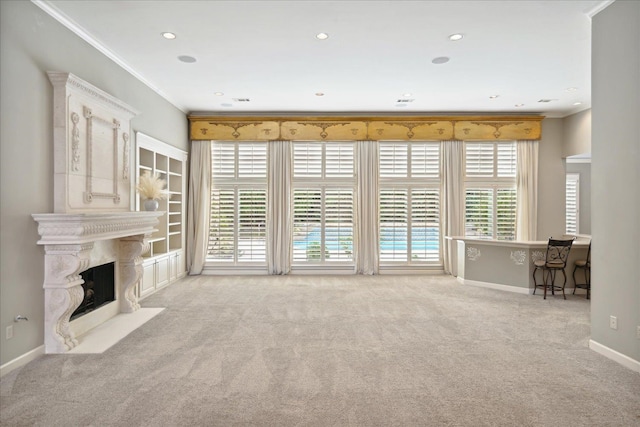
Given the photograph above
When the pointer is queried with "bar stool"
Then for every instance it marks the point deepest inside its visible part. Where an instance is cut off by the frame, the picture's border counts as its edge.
(555, 260)
(585, 266)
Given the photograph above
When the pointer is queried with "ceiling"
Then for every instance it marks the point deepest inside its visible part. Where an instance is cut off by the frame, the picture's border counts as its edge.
(264, 57)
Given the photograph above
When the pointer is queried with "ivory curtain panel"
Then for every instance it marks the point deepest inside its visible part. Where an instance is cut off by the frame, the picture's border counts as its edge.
(199, 205)
(366, 234)
(279, 208)
(452, 199)
(527, 190)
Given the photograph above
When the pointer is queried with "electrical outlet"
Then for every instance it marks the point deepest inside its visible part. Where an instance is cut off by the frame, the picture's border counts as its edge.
(613, 322)
(9, 333)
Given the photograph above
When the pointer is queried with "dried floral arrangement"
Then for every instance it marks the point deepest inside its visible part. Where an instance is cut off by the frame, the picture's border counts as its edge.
(152, 187)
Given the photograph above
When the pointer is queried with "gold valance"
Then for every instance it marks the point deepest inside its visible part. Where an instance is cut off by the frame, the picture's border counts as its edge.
(350, 128)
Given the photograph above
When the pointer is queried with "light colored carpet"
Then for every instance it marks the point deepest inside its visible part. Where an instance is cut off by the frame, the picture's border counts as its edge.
(335, 351)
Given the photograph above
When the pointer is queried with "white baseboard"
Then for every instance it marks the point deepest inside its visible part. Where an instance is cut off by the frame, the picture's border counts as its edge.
(609, 353)
(495, 286)
(21, 360)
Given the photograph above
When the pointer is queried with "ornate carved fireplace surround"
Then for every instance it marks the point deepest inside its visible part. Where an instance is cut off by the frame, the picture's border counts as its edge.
(93, 222)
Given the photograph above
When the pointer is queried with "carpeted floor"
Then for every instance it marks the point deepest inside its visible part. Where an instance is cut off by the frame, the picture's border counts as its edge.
(335, 351)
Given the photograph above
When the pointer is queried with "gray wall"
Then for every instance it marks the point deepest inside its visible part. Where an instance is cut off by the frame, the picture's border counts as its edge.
(584, 195)
(551, 181)
(615, 156)
(577, 134)
(31, 43)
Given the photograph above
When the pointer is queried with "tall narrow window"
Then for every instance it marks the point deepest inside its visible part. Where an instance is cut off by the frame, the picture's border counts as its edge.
(409, 202)
(572, 203)
(323, 198)
(490, 190)
(237, 232)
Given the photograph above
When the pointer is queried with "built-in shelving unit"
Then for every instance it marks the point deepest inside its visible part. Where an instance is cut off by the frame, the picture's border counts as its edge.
(165, 260)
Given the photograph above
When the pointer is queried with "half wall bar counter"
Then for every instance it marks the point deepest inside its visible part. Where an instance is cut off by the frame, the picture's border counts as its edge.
(508, 265)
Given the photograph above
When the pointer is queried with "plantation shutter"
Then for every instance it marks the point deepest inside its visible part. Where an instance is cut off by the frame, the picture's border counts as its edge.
(252, 160)
(252, 222)
(222, 225)
(425, 225)
(479, 159)
(339, 223)
(393, 160)
(394, 216)
(479, 213)
(307, 160)
(506, 214)
(339, 160)
(506, 160)
(425, 160)
(223, 156)
(572, 186)
(307, 224)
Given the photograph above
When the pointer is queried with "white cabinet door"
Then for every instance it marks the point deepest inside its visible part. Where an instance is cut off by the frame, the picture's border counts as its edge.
(173, 267)
(148, 282)
(162, 271)
(182, 268)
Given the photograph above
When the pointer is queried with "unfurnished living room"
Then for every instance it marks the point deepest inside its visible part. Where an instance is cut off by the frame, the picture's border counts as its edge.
(323, 213)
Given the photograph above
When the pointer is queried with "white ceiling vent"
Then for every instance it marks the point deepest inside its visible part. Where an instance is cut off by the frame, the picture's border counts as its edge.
(241, 100)
(406, 100)
(547, 100)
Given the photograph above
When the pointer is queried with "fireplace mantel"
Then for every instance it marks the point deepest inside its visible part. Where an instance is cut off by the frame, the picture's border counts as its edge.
(61, 229)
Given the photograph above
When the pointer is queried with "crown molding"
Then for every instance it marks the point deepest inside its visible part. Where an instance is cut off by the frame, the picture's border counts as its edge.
(598, 8)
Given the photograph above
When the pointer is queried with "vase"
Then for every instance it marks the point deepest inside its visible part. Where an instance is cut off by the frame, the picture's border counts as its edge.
(151, 205)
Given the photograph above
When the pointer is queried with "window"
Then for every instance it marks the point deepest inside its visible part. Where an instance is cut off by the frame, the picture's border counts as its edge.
(323, 193)
(490, 190)
(237, 232)
(409, 216)
(572, 203)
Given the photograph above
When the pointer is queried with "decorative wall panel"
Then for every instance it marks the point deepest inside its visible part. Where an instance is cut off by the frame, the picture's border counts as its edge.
(492, 130)
(91, 147)
(237, 129)
(355, 128)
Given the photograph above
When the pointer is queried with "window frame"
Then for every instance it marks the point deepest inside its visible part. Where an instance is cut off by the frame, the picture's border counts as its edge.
(575, 178)
(413, 179)
(237, 183)
(495, 182)
(325, 181)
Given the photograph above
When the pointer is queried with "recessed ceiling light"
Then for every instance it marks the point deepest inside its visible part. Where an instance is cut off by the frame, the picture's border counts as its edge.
(455, 37)
(218, 93)
(169, 36)
(406, 95)
(494, 96)
(571, 89)
(322, 36)
(519, 105)
(186, 58)
(319, 94)
(440, 60)
(577, 103)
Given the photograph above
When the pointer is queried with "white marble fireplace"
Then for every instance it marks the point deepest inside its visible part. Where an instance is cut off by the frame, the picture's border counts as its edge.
(93, 222)
(74, 243)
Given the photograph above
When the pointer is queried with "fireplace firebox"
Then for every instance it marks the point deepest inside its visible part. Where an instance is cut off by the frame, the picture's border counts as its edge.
(99, 288)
